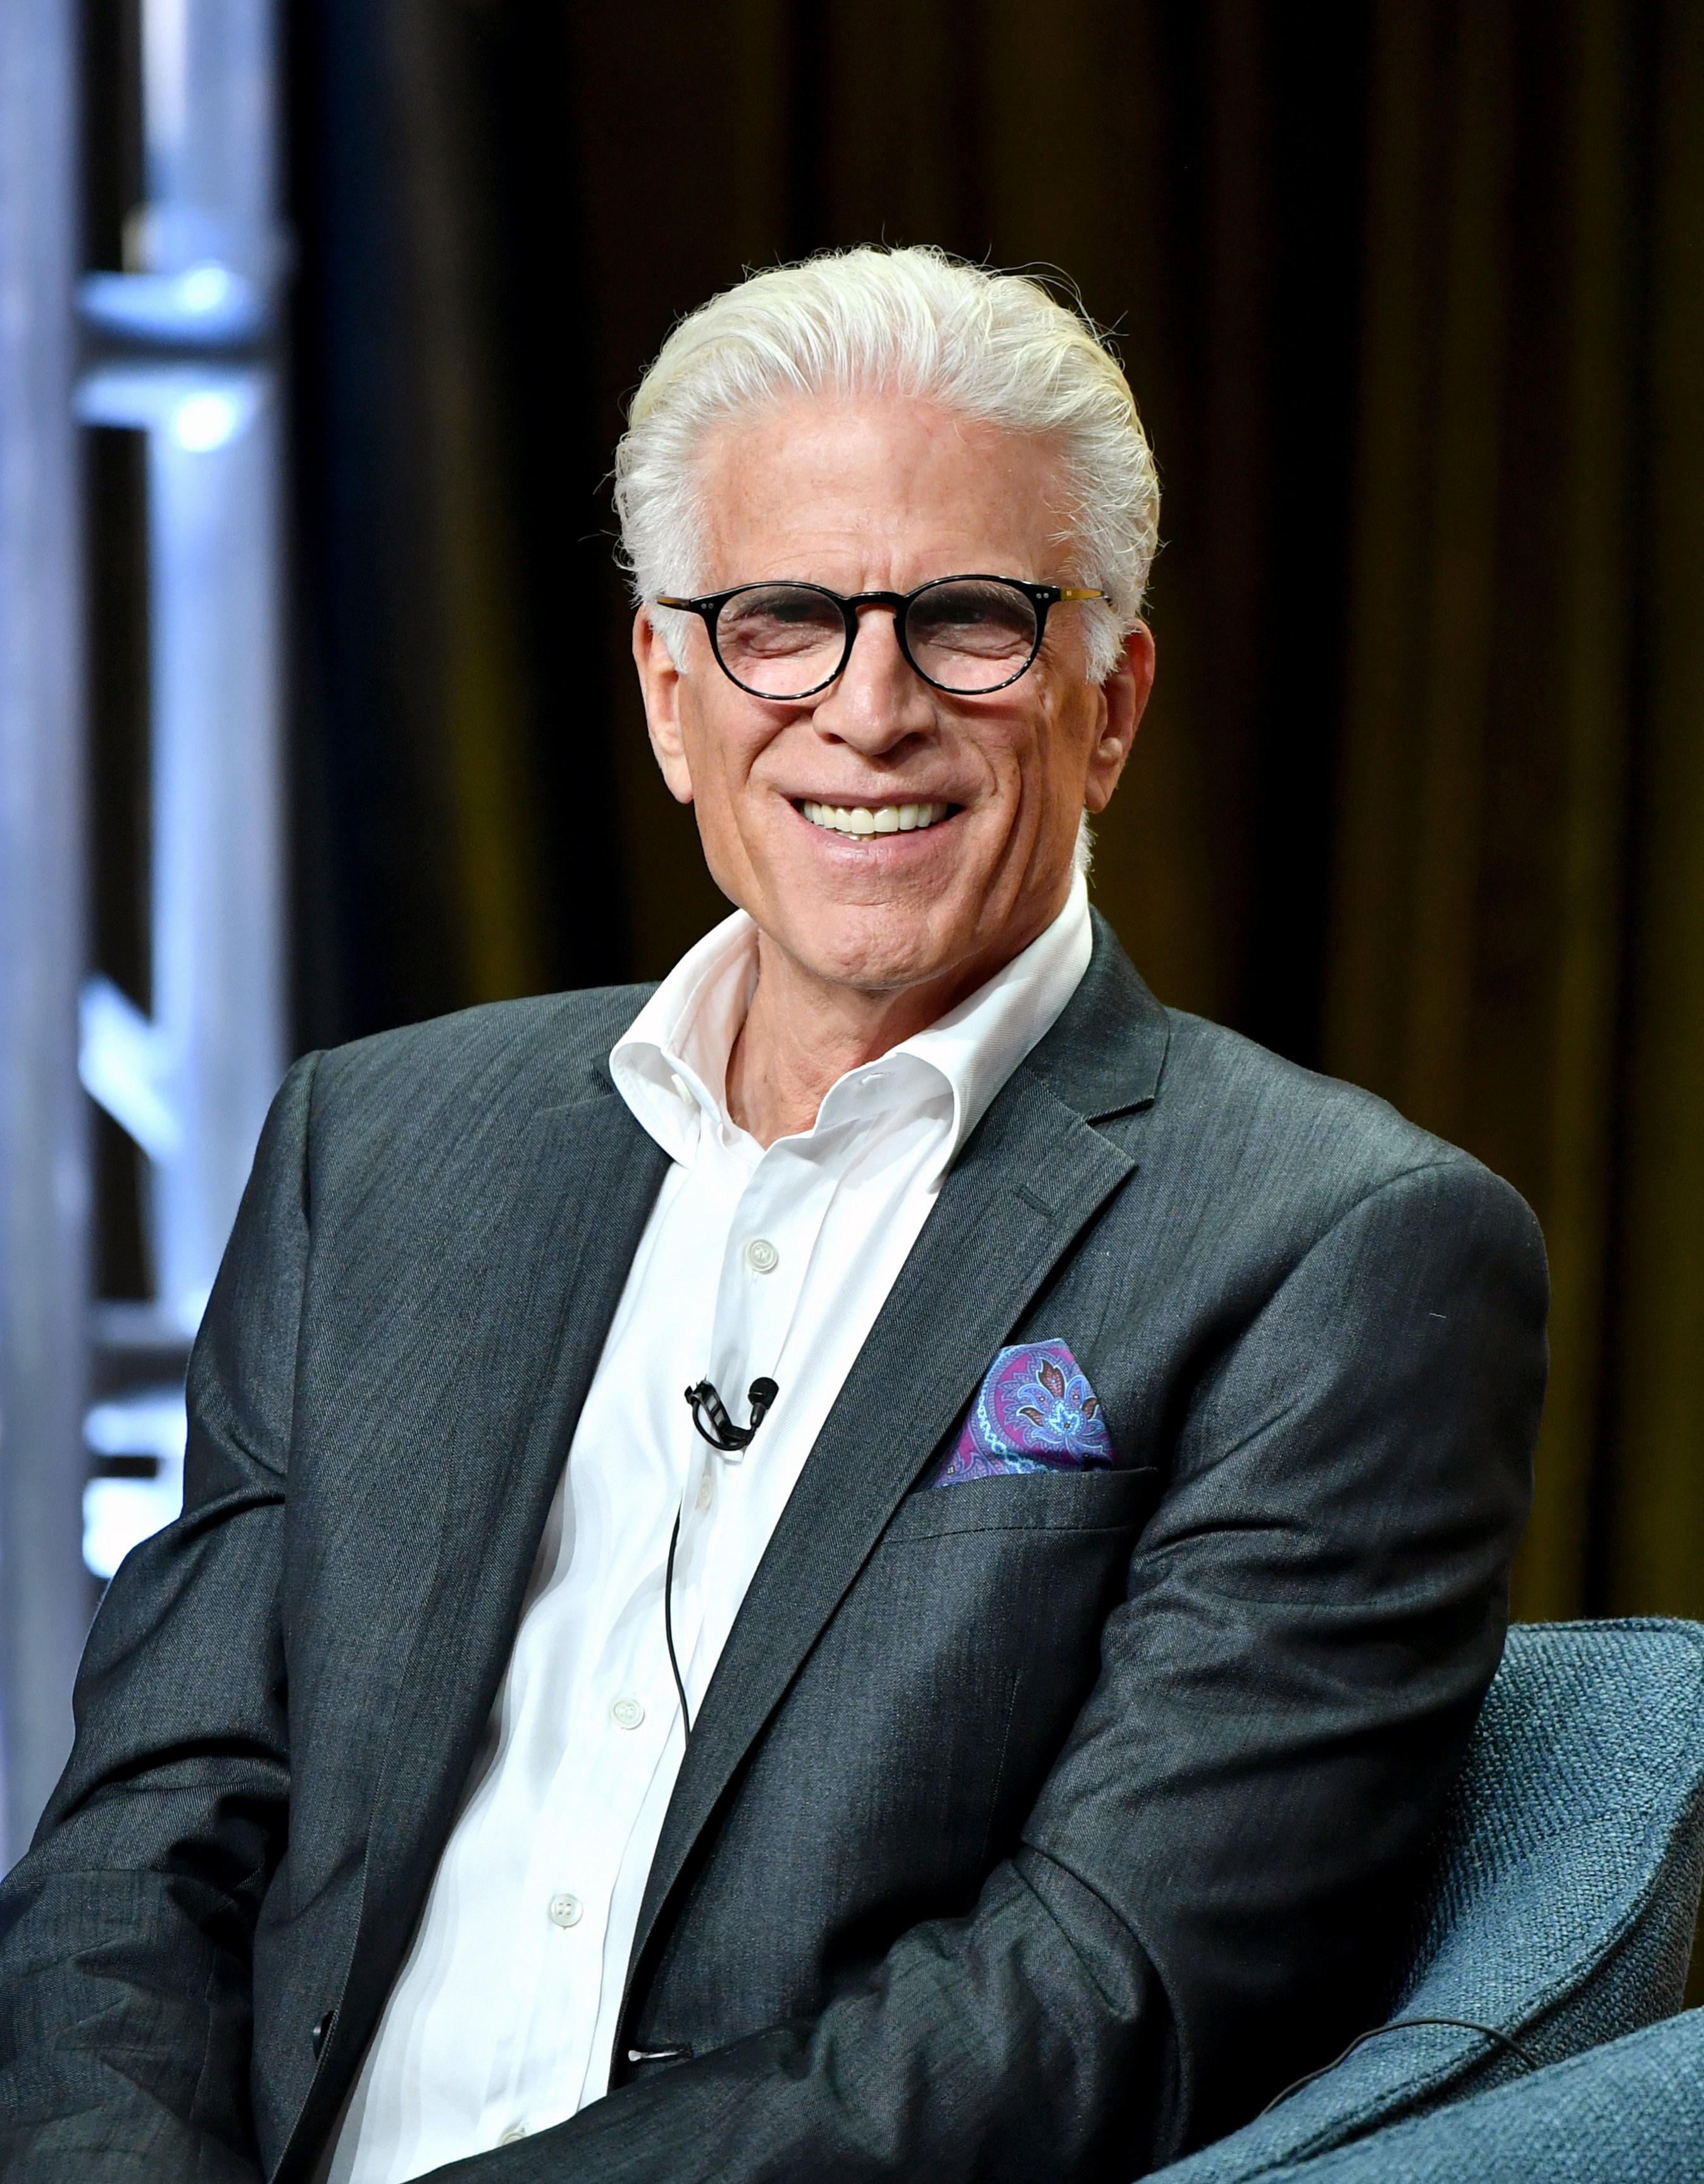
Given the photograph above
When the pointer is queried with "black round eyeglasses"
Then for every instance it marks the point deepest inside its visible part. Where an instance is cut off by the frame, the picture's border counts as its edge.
(965, 635)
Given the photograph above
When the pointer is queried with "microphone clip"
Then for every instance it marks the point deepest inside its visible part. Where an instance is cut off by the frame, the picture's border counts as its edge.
(709, 1414)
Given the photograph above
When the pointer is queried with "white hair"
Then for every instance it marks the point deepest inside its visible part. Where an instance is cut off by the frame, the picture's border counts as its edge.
(996, 346)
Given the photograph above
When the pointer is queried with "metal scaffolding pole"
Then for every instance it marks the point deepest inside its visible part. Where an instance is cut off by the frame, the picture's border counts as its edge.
(185, 353)
(43, 1179)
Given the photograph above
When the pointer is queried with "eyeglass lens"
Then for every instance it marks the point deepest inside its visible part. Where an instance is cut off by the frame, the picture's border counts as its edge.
(787, 641)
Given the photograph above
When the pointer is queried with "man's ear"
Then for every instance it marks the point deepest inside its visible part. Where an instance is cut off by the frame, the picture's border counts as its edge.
(659, 684)
(1124, 700)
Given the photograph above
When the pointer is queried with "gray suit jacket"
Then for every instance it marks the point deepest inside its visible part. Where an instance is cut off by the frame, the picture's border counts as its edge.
(1041, 1827)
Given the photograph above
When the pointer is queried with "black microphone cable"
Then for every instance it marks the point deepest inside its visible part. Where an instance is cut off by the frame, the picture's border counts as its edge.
(705, 1403)
(669, 1628)
(1503, 2040)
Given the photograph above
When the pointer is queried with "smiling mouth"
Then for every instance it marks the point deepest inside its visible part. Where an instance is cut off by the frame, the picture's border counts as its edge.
(864, 819)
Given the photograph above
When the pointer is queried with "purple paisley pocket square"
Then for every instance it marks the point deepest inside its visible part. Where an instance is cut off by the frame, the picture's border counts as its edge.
(1034, 1410)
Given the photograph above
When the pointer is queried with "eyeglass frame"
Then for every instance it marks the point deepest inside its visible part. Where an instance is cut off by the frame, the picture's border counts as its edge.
(1043, 598)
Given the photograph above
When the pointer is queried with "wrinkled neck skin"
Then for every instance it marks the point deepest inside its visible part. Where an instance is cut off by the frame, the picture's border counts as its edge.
(802, 1033)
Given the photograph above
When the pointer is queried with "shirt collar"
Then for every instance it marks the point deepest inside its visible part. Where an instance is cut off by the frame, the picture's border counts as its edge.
(671, 1064)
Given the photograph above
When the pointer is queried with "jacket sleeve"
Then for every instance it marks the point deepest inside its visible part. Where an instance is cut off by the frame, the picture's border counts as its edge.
(1212, 1887)
(126, 1932)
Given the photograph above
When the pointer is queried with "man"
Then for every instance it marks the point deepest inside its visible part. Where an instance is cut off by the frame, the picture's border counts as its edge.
(992, 1725)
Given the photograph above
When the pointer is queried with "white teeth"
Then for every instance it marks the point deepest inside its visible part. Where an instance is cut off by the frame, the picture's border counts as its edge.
(884, 819)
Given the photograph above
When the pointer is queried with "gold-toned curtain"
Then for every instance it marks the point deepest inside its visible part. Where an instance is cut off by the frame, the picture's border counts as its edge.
(1517, 941)
(1413, 295)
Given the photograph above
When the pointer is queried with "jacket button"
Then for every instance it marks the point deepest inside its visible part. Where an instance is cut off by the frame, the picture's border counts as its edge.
(321, 2030)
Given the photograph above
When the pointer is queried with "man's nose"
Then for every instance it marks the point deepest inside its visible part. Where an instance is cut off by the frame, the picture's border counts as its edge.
(879, 699)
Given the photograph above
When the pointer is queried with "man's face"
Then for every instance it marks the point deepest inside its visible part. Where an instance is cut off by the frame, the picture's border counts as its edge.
(883, 494)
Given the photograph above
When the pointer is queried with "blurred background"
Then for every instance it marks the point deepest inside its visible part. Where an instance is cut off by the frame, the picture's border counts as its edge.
(315, 710)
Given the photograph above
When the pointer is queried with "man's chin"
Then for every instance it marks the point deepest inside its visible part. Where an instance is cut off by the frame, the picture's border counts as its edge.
(869, 952)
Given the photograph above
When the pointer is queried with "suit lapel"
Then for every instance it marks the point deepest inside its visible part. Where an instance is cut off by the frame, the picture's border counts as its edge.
(1025, 1185)
(584, 1181)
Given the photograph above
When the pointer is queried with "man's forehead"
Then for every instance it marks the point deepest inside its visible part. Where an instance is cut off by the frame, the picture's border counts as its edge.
(878, 475)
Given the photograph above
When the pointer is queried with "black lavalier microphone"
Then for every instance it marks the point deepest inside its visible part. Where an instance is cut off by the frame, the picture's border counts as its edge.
(722, 1432)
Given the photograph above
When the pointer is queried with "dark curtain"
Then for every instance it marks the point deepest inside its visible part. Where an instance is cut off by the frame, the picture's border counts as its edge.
(456, 823)
(1412, 296)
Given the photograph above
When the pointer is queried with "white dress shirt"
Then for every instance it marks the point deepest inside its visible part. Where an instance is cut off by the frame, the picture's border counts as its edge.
(752, 1262)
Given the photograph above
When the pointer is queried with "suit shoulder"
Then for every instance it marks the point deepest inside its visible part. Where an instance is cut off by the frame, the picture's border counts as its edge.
(550, 1045)
(1236, 1103)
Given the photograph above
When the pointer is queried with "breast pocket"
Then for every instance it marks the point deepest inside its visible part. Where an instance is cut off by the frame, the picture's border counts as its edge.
(1028, 1501)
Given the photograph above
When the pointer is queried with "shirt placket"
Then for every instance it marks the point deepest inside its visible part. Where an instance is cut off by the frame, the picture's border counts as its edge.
(772, 1239)
(624, 1717)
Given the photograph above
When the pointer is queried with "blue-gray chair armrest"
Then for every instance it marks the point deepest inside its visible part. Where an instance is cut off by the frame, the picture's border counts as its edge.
(1565, 1891)
(1631, 2112)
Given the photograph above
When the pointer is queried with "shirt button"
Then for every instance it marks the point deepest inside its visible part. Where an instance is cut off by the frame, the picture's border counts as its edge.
(515, 2132)
(683, 1091)
(705, 1490)
(566, 1910)
(626, 1713)
(761, 1256)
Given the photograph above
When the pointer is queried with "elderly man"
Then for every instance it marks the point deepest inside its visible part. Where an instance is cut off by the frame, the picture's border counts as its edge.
(991, 1725)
